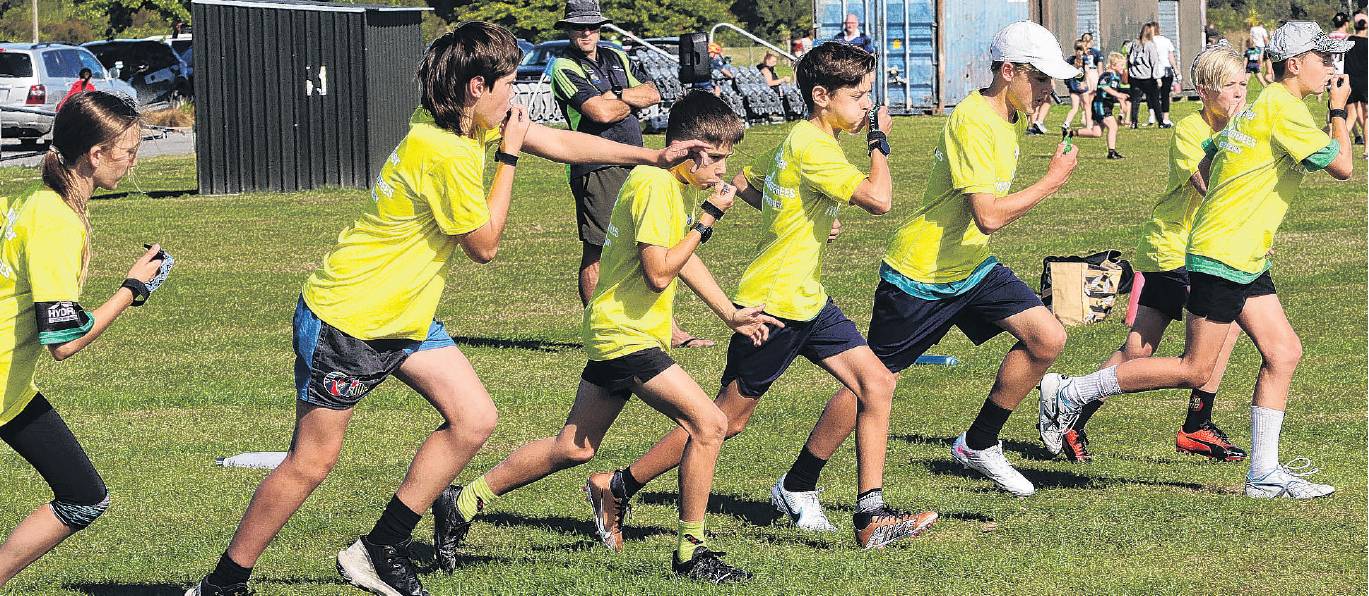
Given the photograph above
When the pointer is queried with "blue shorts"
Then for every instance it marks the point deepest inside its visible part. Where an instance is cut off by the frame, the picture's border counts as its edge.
(335, 370)
(755, 369)
(903, 326)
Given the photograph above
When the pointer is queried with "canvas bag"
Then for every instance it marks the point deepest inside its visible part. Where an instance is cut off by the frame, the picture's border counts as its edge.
(1083, 290)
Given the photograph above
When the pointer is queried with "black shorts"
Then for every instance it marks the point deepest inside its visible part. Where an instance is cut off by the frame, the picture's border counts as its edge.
(1101, 110)
(1165, 291)
(1357, 89)
(1220, 299)
(903, 326)
(756, 368)
(595, 193)
(617, 376)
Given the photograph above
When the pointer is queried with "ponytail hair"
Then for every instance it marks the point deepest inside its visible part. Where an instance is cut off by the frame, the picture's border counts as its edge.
(86, 120)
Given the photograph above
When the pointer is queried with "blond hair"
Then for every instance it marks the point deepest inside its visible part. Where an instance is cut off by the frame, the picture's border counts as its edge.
(1116, 59)
(1217, 66)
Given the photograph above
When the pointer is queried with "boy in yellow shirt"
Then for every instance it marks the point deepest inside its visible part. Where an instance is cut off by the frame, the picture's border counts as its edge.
(1219, 75)
(651, 240)
(368, 312)
(938, 272)
(1256, 166)
(799, 188)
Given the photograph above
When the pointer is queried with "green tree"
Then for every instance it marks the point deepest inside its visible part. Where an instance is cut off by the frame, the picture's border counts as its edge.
(775, 20)
(112, 17)
(535, 19)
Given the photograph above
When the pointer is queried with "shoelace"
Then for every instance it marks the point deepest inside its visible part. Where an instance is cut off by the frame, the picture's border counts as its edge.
(809, 497)
(1217, 432)
(624, 508)
(1300, 467)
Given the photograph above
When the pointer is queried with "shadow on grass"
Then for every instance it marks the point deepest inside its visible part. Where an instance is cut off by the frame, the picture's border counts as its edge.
(756, 513)
(535, 345)
(163, 589)
(583, 528)
(1027, 450)
(153, 194)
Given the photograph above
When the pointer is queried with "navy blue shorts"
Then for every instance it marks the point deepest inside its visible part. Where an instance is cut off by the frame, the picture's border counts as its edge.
(904, 326)
(1165, 291)
(335, 370)
(755, 369)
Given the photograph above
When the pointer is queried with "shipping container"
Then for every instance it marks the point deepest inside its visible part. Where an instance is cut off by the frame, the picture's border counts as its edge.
(1114, 22)
(296, 94)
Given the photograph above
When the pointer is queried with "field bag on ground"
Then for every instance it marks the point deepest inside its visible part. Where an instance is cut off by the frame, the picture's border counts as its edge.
(1083, 290)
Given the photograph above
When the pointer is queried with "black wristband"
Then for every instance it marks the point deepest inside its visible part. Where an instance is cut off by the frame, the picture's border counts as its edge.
(711, 209)
(506, 158)
(705, 232)
(1344, 115)
(877, 140)
(139, 289)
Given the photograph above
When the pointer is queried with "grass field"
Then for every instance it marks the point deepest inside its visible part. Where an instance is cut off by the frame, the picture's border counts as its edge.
(205, 370)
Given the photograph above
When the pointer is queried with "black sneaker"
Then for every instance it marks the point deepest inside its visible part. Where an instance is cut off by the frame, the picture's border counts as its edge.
(708, 566)
(1033, 129)
(449, 529)
(380, 569)
(1166, 125)
(204, 588)
(1113, 154)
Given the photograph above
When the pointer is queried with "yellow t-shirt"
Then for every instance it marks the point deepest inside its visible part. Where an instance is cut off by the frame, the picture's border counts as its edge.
(803, 182)
(1164, 238)
(977, 153)
(41, 250)
(1256, 171)
(386, 274)
(625, 315)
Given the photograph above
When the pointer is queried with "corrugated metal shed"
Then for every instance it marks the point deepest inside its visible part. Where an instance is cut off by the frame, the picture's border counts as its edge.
(294, 94)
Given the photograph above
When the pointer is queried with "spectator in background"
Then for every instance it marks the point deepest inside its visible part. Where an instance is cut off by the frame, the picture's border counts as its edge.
(1259, 38)
(1107, 96)
(851, 35)
(1077, 87)
(1141, 71)
(81, 85)
(1093, 64)
(1252, 57)
(767, 68)
(800, 45)
(1355, 66)
(1165, 72)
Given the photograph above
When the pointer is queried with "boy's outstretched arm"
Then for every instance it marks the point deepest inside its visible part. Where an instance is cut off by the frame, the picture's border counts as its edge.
(567, 146)
(751, 322)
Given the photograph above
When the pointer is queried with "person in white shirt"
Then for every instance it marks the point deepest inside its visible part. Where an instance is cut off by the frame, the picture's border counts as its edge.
(1164, 66)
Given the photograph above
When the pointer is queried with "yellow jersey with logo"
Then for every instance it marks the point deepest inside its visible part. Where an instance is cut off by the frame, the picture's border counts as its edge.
(385, 276)
(976, 154)
(1258, 164)
(1164, 237)
(42, 247)
(626, 315)
(804, 182)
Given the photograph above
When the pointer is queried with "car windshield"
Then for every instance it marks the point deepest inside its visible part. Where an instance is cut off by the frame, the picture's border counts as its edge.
(137, 56)
(538, 56)
(15, 65)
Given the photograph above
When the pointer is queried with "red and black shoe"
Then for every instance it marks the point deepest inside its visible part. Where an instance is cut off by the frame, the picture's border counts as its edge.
(1208, 441)
(1075, 446)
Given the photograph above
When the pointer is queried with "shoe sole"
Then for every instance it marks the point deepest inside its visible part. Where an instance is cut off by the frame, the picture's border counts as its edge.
(1215, 458)
(356, 568)
(598, 521)
(891, 534)
(1281, 494)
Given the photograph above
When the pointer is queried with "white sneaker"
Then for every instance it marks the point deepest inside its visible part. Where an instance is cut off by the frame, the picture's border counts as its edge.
(990, 462)
(1054, 417)
(803, 508)
(1288, 481)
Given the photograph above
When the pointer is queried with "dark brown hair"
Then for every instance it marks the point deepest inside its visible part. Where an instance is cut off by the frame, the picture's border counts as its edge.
(86, 120)
(472, 49)
(702, 116)
(832, 66)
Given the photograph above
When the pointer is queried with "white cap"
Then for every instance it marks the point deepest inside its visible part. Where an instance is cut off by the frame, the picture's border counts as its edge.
(1027, 42)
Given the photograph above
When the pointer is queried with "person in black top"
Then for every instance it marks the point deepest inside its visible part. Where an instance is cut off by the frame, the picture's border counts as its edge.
(1355, 66)
(767, 68)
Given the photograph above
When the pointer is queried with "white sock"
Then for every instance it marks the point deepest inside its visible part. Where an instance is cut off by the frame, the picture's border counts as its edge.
(1265, 424)
(1090, 387)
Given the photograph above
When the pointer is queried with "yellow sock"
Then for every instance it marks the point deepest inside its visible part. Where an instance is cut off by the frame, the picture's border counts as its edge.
(474, 498)
(691, 538)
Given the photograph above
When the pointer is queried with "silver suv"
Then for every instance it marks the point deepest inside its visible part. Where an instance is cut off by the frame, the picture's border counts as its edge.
(37, 76)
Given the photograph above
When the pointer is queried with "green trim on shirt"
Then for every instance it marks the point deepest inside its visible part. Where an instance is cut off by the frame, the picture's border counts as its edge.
(1322, 158)
(932, 291)
(48, 338)
(1202, 264)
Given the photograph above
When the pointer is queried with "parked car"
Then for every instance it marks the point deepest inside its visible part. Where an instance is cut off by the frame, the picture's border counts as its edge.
(535, 61)
(524, 46)
(37, 76)
(154, 70)
(184, 47)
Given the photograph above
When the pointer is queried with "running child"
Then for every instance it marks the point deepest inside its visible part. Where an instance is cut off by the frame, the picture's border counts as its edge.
(653, 235)
(1257, 164)
(368, 312)
(1220, 78)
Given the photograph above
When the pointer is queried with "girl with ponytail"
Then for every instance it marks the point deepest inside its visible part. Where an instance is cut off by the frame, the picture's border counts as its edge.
(44, 254)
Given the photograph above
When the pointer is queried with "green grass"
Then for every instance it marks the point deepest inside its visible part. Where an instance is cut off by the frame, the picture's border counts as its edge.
(205, 370)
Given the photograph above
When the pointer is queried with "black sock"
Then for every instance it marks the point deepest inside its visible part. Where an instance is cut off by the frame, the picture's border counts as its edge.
(1086, 413)
(630, 484)
(803, 475)
(1199, 410)
(983, 432)
(395, 525)
(228, 573)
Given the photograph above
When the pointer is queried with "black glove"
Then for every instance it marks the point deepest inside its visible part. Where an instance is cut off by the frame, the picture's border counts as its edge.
(875, 139)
